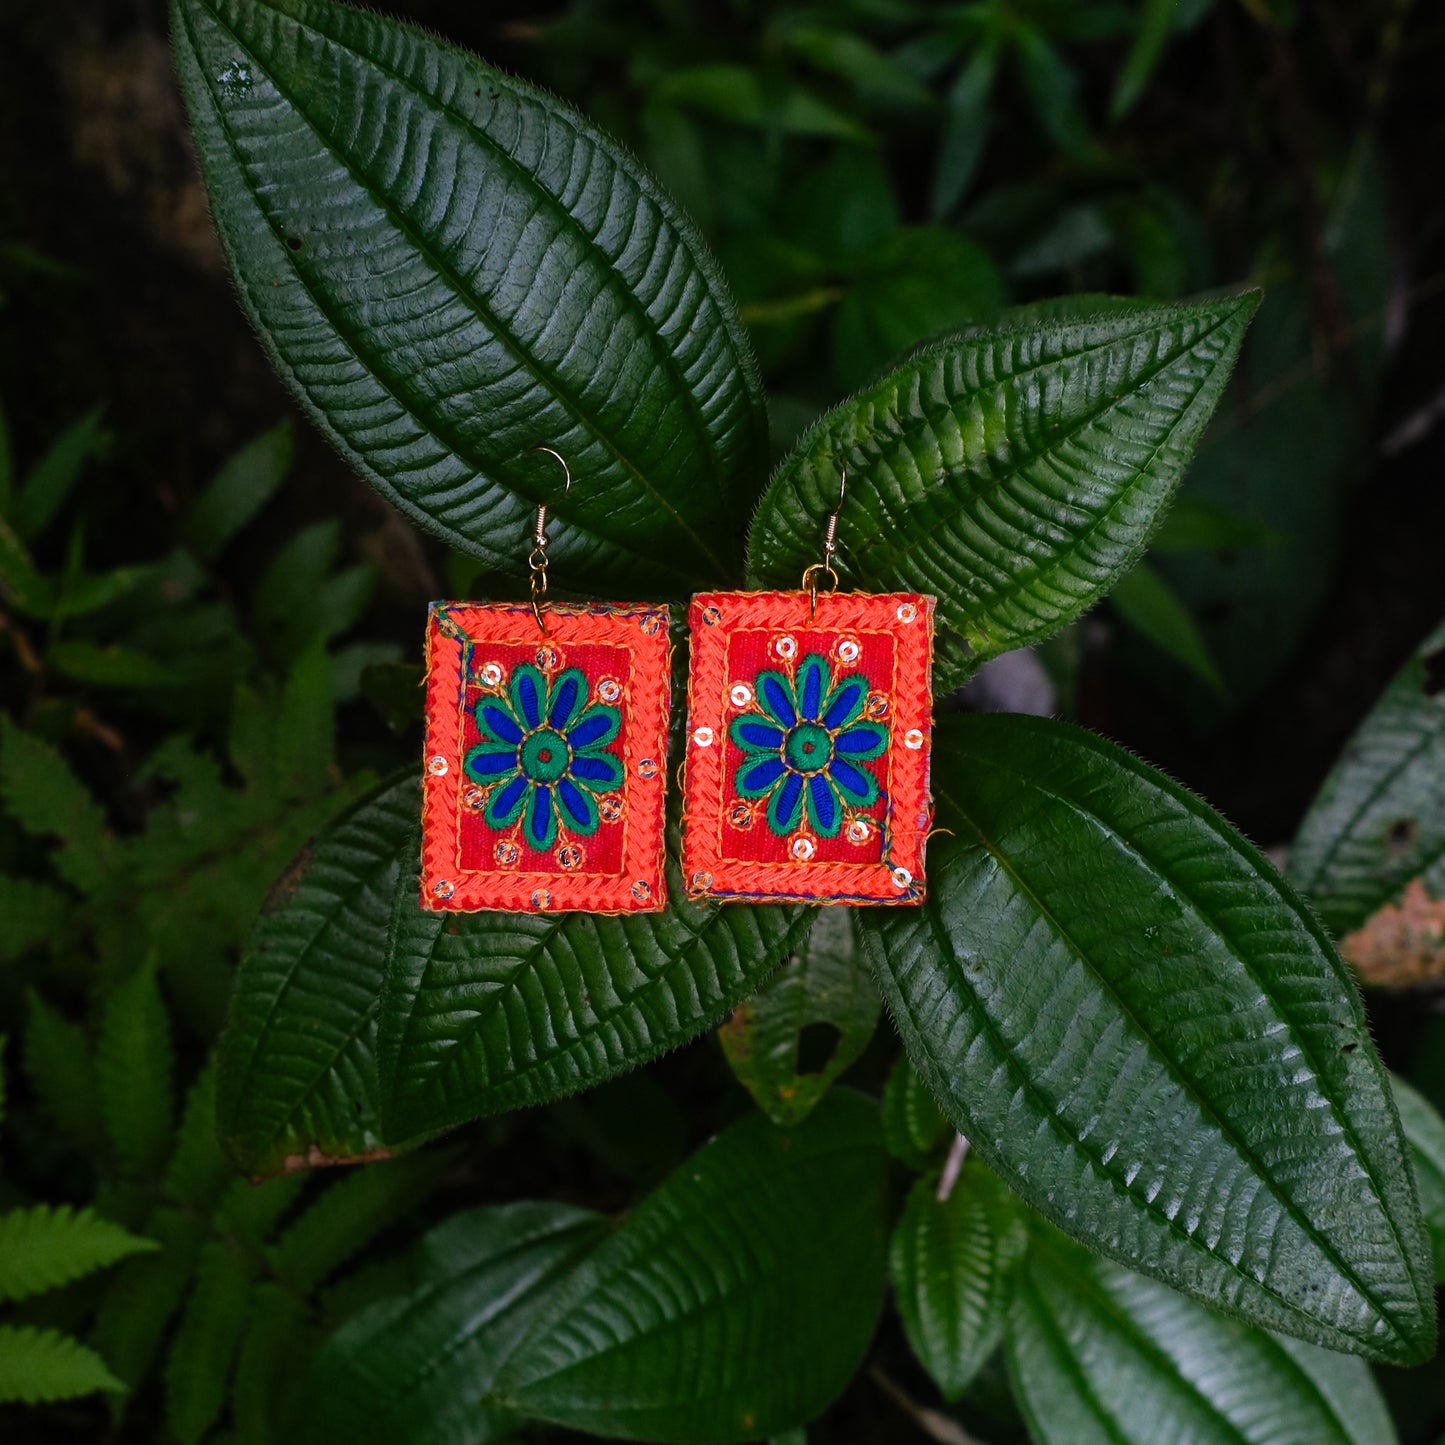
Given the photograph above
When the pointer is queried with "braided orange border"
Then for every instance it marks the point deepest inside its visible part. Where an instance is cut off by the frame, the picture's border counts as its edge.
(640, 886)
(895, 879)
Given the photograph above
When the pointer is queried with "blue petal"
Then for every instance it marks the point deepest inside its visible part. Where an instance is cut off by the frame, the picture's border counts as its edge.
(850, 779)
(569, 693)
(589, 730)
(825, 805)
(531, 703)
(761, 774)
(486, 763)
(506, 798)
(760, 734)
(498, 724)
(598, 769)
(811, 675)
(845, 702)
(778, 701)
(787, 802)
(539, 817)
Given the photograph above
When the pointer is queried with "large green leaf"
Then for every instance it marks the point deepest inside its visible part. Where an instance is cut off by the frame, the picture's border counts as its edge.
(361, 1021)
(1101, 1356)
(450, 268)
(1133, 1018)
(1379, 820)
(297, 1082)
(734, 1302)
(417, 1367)
(953, 1261)
(485, 1012)
(1015, 471)
(808, 1022)
(1425, 1131)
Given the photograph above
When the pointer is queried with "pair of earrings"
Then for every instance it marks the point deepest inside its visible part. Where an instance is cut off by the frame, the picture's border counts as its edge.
(806, 747)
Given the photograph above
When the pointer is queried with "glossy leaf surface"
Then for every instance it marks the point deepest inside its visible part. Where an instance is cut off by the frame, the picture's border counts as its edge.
(485, 1012)
(953, 1262)
(1101, 1356)
(298, 1081)
(734, 1302)
(417, 1367)
(1379, 820)
(1133, 1019)
(807, 1023)
(450, 268)
(1015, 471)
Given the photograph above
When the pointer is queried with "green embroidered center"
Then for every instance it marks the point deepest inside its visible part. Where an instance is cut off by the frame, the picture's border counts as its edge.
(545, 755)
(808, 748)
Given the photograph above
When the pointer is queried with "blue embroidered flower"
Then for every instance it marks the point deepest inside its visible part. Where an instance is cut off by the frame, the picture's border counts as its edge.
(543, 756)
(804, 749)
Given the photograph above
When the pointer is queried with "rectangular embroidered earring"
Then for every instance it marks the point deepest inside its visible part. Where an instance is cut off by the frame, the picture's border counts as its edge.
(809, 723)
(546, 748)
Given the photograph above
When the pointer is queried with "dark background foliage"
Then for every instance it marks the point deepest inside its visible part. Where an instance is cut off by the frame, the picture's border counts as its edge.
(864, 184)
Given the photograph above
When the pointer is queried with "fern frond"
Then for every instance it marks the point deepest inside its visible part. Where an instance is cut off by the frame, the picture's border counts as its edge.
(43, 795)
(278, 1342)
(58, 1064)
(199, 1171)
(145, 1294)
(37, 1366)
(133, 1065)
(198, 1371)
(45, 1247)
(351, 1212)
(30, 913)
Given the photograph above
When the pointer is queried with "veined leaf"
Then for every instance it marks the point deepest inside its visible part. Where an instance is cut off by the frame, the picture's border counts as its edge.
(46, 1246)
(734, 1302)
(810, 1020)
(451, 268)
(40, 1365)
(297, 1081)
(953, 1263)
(198, 1171)
(61, 1072)
(914, 1127)
(1139, 1025)
(1152, 607)
(1100, 1356)
(1425, 1132)
(1379, 820)
(485, 1012)
(416, 1368)
(1016, 471)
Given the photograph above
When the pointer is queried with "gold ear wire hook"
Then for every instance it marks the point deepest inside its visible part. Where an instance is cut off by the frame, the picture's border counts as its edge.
(537, 557)
(824, 568)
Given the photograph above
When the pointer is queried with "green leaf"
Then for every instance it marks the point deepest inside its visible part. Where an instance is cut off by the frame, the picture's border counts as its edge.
(953, 1263)
(268, 1365)
(1146, 1033)
(198, 1171)
(1151, 607)
(1156, 20)
(46, 1246)
(808, 1022)
(108, 666)
(1016, 471)
(1379, 819)
(351, 1212)
(485, 1012)
(28, 591)
(417, 1367)
(54, 476)
(1100, 1356)
(914, 1127)
(34, 914)
(540, 289)
(965, 129)
(133, 1064)
(741, 95)
(298, 1081)
(734, 1302)
(38, 1365)
(208, 1337)
(244, 484)
(1425, 1132)
(42, 794)
(61, 1073)
(305, 748)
